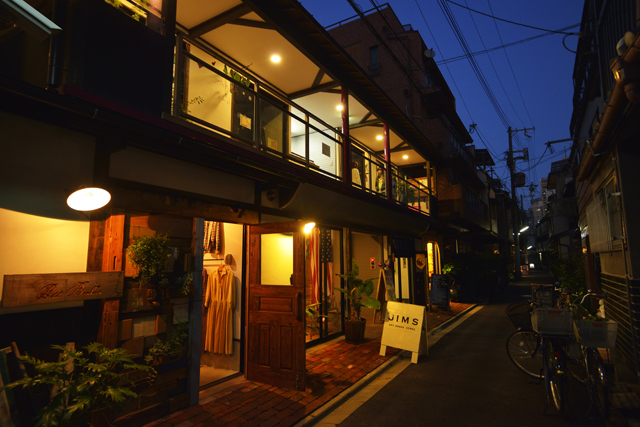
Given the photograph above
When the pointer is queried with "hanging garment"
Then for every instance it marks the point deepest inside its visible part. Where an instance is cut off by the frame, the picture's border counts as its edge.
(220, 299)
(213, 237)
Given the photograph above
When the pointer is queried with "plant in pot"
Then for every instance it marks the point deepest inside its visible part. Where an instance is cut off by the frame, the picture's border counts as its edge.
(81, 386)
(150, 255)
(174, 346)
(358, 292)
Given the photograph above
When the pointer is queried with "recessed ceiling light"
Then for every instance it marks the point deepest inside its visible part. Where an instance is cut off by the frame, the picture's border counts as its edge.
(275, 58)
(379, 137)
(339, 107)
(405, 157)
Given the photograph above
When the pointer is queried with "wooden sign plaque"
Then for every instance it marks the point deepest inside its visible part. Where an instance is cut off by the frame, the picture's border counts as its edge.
(30, 289)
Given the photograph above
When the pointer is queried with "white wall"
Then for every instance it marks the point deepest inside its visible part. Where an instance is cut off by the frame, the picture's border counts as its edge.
(40, 166)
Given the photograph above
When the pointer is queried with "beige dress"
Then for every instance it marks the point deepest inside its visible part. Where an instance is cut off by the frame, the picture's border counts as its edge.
(220, 299)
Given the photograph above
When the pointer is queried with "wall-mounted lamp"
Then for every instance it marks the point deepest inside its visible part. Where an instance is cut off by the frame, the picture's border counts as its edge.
(628, 75)
(524, 229)
(88, 199)
(308, 227)
(529, 247)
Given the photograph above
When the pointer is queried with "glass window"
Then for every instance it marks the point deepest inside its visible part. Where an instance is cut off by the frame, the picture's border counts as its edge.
(276, 259)
(323, 302)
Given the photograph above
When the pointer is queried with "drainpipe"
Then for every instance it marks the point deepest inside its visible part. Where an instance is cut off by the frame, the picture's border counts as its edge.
(56, 48)
(617, 98)
(626, 266)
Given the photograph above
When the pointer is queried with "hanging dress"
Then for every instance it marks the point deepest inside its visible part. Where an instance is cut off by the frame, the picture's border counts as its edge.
(220, 299)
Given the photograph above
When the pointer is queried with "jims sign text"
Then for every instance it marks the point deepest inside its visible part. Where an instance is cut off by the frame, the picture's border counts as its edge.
(403, 326)
(29, 289)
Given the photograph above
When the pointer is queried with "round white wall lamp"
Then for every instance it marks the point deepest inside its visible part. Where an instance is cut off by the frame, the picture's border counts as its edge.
(88, 199)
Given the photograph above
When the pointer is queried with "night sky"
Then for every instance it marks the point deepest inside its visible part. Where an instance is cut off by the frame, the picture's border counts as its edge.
(529, 83)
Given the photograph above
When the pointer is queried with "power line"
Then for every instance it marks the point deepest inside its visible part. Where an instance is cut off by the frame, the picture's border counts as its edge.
(494, 69)
(509, 62)
(510, 22)
(482, 52)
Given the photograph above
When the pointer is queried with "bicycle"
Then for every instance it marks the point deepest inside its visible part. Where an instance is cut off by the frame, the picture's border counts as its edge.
(592, 335)
(538, 350)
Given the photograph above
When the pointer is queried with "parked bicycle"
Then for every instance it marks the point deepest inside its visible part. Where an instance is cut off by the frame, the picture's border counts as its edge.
(537, 348)
(594, 334)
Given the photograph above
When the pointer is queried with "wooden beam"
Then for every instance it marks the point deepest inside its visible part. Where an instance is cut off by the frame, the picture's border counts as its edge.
(251, 23)
(320, 88)
(218, 21)
(376, 122)
(318, 79)
(365, 118)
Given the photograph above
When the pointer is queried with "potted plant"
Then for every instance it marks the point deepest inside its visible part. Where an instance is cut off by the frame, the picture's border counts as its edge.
(82, 386)
(150, 255)
(175, 345)
(358, 292)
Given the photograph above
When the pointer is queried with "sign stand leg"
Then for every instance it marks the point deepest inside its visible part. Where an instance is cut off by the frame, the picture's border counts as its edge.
(383, 350)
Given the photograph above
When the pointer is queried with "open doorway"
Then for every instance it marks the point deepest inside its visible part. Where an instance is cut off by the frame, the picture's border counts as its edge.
(221, 351)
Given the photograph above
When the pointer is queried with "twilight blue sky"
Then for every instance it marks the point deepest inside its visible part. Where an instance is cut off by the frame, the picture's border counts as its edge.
(531, 82)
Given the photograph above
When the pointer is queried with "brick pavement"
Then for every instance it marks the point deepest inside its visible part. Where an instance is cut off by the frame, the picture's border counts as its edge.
(330, 371)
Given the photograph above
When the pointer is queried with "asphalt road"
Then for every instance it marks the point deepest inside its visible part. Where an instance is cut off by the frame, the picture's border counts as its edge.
(468, 380)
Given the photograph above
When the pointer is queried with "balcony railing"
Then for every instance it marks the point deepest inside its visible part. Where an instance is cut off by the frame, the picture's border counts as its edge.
(212, 94)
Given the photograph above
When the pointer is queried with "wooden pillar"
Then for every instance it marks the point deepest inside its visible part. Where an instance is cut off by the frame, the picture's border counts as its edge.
(112, 260)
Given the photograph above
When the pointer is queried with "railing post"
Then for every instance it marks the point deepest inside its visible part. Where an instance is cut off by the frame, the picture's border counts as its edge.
(387, 159)
(179, 77)
(346, 143)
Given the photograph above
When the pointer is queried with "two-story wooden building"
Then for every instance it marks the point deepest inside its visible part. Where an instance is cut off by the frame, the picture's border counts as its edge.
(225, 125)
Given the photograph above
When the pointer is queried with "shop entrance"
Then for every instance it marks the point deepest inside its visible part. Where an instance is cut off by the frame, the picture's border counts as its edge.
(276, 331)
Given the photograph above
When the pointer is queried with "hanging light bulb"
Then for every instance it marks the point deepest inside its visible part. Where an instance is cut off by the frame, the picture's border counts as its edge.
(88, 199)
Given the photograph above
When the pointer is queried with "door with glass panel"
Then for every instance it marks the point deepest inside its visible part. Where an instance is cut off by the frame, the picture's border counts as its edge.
(275, 327)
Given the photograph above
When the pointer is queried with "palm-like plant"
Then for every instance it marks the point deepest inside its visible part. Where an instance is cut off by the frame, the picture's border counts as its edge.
(81, 385)
(358, 292)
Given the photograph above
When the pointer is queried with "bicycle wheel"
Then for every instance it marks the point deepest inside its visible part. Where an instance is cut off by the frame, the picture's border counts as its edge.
(598, 389)
(523, 348)
(555, 379)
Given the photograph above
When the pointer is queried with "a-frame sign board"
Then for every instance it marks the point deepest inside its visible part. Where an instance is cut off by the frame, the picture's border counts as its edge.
(405, 327)
(385, 291)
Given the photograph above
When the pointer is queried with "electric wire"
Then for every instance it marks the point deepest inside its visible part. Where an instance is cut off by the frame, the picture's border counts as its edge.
(509, 62)
(494, 68)
(510, 22)
(482, 52)
(474, 66)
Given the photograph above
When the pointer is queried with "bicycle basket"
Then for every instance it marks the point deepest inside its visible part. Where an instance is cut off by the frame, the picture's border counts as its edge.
(520, 314)
(552, 321)
(596, 333)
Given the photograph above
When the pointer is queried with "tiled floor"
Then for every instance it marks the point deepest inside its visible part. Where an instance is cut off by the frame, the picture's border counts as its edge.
(330, 370)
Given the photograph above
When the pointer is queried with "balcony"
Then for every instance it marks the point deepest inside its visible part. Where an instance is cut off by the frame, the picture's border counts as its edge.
(218, 95)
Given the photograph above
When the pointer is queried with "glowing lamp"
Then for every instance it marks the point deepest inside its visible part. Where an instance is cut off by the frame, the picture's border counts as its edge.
(88, 199)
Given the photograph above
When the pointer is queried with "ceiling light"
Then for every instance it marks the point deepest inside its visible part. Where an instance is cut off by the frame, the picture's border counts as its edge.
(308, 227)
(275, 58)
(379, 137)
(339, 107)
(88, 199)
(405, 157)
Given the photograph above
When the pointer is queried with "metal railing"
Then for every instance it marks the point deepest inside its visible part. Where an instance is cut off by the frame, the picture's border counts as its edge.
(213, 95)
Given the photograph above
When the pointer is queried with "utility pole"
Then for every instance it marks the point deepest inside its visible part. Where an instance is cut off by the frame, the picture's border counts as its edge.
(514, 200)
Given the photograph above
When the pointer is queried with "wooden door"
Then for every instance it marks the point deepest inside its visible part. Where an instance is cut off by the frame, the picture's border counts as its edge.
(275, 327)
